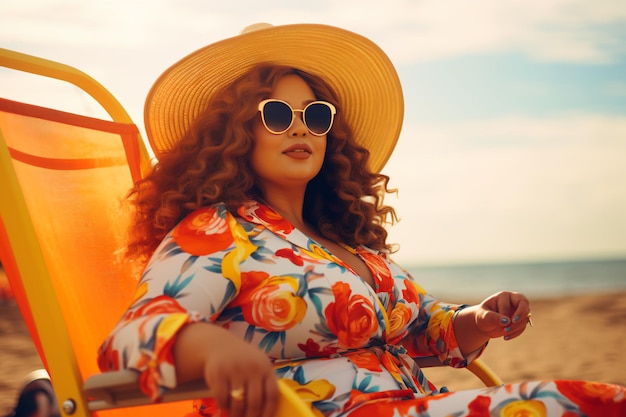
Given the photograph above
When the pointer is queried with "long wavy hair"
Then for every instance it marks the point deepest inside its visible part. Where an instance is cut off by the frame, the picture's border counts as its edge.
(211, 164)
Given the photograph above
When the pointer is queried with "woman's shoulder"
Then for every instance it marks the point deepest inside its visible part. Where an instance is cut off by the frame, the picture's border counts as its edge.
(205, 230)
(204, 220)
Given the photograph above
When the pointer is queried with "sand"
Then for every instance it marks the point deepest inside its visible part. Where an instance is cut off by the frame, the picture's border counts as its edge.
(574, 337)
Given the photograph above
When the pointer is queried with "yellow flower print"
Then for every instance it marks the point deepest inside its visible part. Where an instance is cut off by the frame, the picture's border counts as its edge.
(313, 391)
(400, 317)
(524, 408)
(316, 252)
(233, 259)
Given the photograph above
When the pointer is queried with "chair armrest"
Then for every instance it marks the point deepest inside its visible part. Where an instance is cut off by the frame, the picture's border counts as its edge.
(119, 389)
(477, 367)
(484, 373)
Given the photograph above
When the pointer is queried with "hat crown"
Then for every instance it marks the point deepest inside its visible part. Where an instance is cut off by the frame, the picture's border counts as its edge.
(255, 26)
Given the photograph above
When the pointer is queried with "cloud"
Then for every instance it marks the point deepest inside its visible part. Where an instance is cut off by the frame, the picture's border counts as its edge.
(410, 31)
(552, 30)
(574, 130)
(511, 188)
(617, 88)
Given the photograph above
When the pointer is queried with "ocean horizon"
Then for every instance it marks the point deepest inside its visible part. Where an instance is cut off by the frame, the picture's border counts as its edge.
(536, 279)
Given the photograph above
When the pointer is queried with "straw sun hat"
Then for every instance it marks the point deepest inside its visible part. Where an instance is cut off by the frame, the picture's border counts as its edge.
(357, 69)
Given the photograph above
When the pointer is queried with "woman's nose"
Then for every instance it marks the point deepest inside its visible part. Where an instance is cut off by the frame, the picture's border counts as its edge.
(298, 128)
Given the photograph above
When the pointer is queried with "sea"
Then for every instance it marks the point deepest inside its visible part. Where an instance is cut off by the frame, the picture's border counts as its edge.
(545, 279)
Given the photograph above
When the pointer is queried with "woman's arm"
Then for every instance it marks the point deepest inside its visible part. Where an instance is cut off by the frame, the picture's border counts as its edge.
(455, 334)
(183, 283)
(240, 375)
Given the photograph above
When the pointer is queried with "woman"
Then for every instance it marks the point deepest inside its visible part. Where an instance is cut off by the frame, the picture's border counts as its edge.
(263, 222)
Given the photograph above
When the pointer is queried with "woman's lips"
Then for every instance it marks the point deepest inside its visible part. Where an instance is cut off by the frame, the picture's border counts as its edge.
(300, 151)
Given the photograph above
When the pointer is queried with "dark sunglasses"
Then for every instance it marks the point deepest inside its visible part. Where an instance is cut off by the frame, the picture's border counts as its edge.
(278, 116)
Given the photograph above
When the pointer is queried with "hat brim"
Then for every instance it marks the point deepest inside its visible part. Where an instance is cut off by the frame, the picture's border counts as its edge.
(356, 68)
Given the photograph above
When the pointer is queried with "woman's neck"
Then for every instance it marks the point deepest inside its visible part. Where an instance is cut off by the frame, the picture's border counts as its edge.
(288, 203)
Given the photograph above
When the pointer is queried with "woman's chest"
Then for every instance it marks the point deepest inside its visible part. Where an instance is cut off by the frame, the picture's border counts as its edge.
(298, 301)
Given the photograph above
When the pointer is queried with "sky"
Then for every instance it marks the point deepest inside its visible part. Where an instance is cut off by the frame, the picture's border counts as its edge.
(514, 140)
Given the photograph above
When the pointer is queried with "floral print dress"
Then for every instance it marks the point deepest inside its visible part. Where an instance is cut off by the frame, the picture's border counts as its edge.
(349, 348)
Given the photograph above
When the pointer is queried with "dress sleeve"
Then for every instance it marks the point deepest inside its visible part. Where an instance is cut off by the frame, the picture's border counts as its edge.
(191, 277)
(430, 330)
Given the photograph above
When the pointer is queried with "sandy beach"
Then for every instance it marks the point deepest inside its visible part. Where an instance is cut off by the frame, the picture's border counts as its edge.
(574, 337)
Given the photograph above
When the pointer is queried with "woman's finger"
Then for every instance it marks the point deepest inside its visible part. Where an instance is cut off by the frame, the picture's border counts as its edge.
(237, 397)
(219, 387)
(255, 397)
(522, 309)
(270, 404)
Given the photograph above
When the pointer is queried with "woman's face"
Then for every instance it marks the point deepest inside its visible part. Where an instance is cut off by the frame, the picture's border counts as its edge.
(292, 158)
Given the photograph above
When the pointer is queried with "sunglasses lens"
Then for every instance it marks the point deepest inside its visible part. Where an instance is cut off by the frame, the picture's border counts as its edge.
(318, 117)
(277, 116)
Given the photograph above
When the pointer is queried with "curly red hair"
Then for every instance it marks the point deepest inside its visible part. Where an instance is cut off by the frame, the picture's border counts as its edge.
(210, 164)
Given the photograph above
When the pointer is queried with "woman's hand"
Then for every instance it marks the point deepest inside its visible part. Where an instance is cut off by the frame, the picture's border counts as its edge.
(241, 376)
(504, 314)
(242, 379)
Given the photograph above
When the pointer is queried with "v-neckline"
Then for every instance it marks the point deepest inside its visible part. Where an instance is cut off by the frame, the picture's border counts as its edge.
(297, 237)
(338, 260)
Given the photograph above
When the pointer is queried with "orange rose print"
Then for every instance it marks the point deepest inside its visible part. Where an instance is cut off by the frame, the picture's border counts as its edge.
(158, 305)
(366, 360)
(351, 318)
(274, 220)
(479, 407)
(274, 309)
(593, 397)
(270, 219)
(380, 270)
(203, 232)
(270, 302)
(250, 281)
(412, 292)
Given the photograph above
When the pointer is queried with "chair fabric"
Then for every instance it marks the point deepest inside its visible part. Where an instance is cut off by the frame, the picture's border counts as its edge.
(73, 172)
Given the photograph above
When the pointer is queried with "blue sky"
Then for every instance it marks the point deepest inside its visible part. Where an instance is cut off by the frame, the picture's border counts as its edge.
(513, 83)
(514, 140)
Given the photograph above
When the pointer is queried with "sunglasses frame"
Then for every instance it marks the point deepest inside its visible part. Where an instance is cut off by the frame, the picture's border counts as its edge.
(332, 108)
